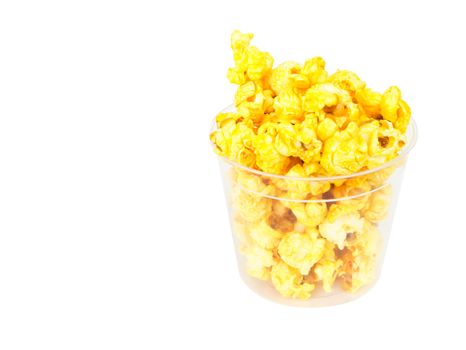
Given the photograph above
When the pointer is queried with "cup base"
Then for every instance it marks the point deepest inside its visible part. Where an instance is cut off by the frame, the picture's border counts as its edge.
(319, 297)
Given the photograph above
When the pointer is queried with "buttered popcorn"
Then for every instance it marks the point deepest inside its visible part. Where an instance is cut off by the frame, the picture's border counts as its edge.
(295, 137)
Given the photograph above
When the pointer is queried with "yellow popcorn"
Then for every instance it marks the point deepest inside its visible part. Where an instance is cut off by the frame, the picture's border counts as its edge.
(267, 156)
(281, 78)
(329, 116)
(258, 271)
(352, 187)
(240, 41)
(250, 101)
(259, 261)
(289, 282)
(309, 214)
(347, 80)
(254, 109)
(234, 141)
(221, 138)
(354, 113)
(345, 152)
(369, 100)
(265, 236)
(251, 207)
(358, 188)
(239, 44)
(248, 180)
(282, 218)
(320, 96)
(288, 106)
(298, 186)
(300, 81)
(311, 146)
(341, 221)
(327, 128)
(226, 117)
(250, 63)
(394, 109)
(236, 75)
(319, 187)
(259, 63)
(404, 116)
(328, 267)
(301, 189)
(299, 210)
(316, 212)
(379, 177)
(365, 241)
(390, 104)
(268, 102)
(300, 251)
(335, 110)
(285, 140)
(338, 210)
(308, 127)
(245, 92)
(314, 69)
(360, 259)
(241, 230)
(384, 142)
(378, 205)
(312, 169)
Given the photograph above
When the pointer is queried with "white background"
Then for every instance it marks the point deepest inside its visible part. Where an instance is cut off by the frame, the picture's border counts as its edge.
(113, 226)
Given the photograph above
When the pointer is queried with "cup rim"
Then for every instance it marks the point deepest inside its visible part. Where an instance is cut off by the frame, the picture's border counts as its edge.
(412, 129)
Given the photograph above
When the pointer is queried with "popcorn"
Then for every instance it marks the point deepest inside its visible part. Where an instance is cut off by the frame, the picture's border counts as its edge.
(289, 282)
(353, 193)
(360, 258)
(251, 207)
(234, 141)
(394, 109)
(347, 80)
(288, 106)
(285, 140)
(250, 182)
(384, 142)
(314, 69)
(267, 156)
(301, 251)
(265, 236)
(345, 152)
(332, 122)
(282, 218)
(292, 125)
(259, 260)
(327, 128)
(250, 63)
(369, 100)
(377, 207)
(337, 230)
(379, 177)
(309, 214)
(281, 78)
(327, 268)
(259, 64)
(297, 187)
(319, 97)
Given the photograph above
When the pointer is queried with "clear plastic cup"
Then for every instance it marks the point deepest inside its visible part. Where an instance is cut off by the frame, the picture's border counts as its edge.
(312, 241)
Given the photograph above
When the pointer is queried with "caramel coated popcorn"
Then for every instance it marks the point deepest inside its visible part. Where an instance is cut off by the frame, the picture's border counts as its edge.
(295, 122)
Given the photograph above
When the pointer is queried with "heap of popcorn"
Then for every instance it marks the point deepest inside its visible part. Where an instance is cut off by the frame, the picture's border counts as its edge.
(298, 139)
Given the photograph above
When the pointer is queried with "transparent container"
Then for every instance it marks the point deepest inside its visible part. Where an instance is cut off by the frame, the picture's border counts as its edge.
(312, 241)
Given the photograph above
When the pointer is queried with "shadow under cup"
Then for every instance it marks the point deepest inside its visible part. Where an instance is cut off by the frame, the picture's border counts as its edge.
(312, 241)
